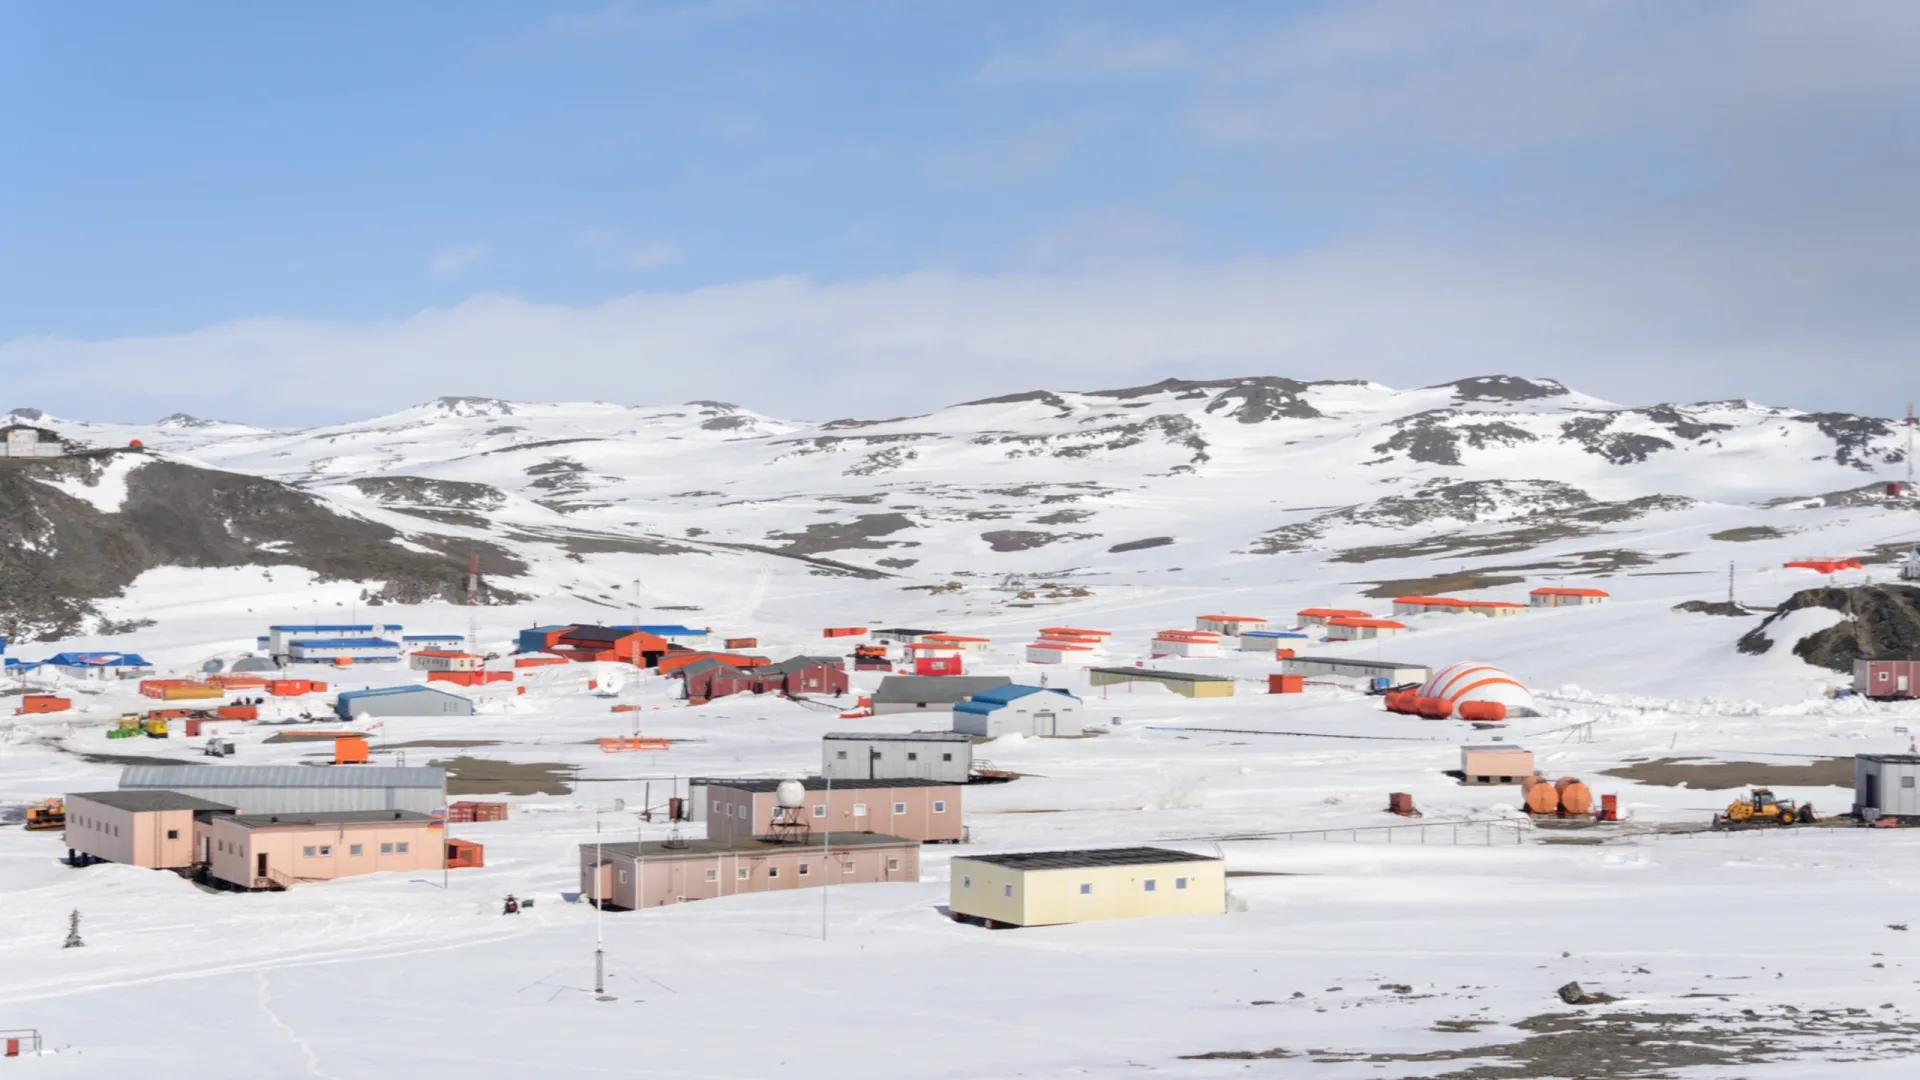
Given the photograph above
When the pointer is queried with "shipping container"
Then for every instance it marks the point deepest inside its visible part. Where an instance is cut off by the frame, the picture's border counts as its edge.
(742, 643)
(44, 703)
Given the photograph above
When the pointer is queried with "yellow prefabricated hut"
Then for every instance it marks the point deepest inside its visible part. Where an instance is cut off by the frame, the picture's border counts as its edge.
(1045, 888)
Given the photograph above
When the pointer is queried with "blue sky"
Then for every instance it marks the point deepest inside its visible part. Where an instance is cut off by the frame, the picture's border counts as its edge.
(824, 199)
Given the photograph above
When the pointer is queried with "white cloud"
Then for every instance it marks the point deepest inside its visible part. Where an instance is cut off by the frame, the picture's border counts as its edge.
(451, 262)
(654, 256)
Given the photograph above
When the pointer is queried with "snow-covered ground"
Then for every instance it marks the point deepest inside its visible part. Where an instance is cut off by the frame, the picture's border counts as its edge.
(1352, 949)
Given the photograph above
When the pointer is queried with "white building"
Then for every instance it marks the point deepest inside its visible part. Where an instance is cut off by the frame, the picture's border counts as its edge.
(280, 639)
(1229, 625)
(1271, 640)
(1058, 652)
(1192, 643)
(1027, 710)
(1551, 597)
(445, 660)
(1363, 629)
(1887, 785)
(913, 755)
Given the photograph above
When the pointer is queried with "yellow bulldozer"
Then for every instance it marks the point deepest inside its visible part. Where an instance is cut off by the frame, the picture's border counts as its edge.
(1760, 807)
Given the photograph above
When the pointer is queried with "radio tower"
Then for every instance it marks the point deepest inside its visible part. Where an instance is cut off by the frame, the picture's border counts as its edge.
(473, 603)
(1911, 422)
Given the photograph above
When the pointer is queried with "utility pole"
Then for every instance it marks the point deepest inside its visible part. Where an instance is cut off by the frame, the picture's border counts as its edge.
(826, 857)
(599, 912)
(1911, 423)
(1729, 581)
(473, 603)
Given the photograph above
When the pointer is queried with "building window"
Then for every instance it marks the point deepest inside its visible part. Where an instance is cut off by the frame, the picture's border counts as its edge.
(966, 881)
(1007, 891)
(859, 809)
(400, 847)
(919, 704)
(847, 867)
(1906, 781)
(386, 849)
(1086, 888)
(741, 873)
(911, 756)
(1149, 885)
(820, 811)
(899, 808)
(939, 807)
(307, 852)
(713, 875)
(893, 864)
(326, 849)
(946, 757)
(806, 870)
(1179, 884)
(729, 810)
(173, 834)
(354, 850)
(840, 755)
(773, 871)
(623, 877)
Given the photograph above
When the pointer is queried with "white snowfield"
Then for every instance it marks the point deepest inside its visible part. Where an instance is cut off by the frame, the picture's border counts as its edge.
(1350, 950)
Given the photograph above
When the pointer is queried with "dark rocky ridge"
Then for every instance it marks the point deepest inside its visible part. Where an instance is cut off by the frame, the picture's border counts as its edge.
(1881, 621)
(59, 554)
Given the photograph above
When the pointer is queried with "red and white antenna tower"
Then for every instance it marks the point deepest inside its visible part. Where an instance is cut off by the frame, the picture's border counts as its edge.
(1911, 423)
(473, 602)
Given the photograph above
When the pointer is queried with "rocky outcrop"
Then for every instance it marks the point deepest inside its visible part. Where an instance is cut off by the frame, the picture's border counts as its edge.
(1879, 621)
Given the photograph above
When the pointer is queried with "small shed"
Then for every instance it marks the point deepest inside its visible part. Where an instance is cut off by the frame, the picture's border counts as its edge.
(1229, 625)
(1887, 785)
(920, 693)
(1396, 673)
(911, 755)
(1553, 597)
(1363, 629)
(1495, 763)
(1887, 678)
(1270, 640)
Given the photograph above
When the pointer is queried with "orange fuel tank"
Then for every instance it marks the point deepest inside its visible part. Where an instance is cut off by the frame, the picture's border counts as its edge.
(1540, 796)
(1433, 708)
(1574, 796)
(1486, 712)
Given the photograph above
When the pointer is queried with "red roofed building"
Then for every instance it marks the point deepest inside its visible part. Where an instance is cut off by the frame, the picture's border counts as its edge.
(1552, 597)
(1347, 629)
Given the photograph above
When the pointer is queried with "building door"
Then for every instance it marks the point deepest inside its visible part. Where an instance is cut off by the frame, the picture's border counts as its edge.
(1900, 685)
(1872, 792)
(872, 756)
(260, 865)
(1045, 723)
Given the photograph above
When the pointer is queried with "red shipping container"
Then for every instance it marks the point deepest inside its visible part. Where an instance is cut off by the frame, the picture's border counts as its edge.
(1286, 684)
(290, 687)
(465, 855)
(1283, 654)
(237, 712)
(467, 811)
(44, 703)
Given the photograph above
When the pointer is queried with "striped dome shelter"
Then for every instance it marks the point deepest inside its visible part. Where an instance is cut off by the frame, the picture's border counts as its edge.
(1473, 681)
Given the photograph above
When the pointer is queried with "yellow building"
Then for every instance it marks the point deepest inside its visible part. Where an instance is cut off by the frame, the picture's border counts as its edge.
(1043, 888)
(1183, 683)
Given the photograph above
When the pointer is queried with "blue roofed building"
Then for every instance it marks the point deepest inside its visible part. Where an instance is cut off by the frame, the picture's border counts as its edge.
(1269, 640)
(674, 633)
(401, 701)
(100, 665)
(540, 638)
(280, 639)
(352, 650)
(434, 641)
(1016, 709)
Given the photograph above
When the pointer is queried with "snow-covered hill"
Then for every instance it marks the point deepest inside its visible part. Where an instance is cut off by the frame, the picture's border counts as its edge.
(1492, 480)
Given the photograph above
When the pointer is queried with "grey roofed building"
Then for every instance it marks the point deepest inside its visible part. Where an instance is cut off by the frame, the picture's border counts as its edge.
(148, 801)
(328, 817)
(1353, 668)
(929, 755)
(800, 663)
(254, 663)
(1062, 860)
(811, 783)
(911, 693)
(737, 846)
(901, 736)
(705, 663)
(298, 789)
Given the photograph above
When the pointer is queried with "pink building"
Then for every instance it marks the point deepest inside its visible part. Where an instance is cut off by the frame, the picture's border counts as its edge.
(274, 851)
(153, 829)
(656, 873)
(924, 811)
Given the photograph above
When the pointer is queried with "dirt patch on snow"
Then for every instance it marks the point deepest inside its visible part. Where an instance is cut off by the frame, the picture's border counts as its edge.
(1724, 775)
(1440, 584)
(486, 776)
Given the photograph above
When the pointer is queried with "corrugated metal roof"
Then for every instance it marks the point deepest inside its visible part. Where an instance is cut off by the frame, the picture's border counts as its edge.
(1165, 676)
(1063, 860)
(701, 846)
(175, 777)
(146, 800)
(345, 643)
(901, 736)
(815, 783)
(390, 691)
(898, 689)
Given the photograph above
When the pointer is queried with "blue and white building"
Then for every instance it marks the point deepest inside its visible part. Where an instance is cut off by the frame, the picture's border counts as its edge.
(672, 633)
(1016, 709)
(281, 639)
(1269, 640)
(99, 665)
(357, 650)
(414, 642)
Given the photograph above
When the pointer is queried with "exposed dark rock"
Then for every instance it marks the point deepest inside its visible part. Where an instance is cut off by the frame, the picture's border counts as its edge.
(1021, 540)
(1746, 533)
(1140, 545)
(1881, 621)
(59, 555)
(1573, 995)
(1618, 447)
(1434, 437)
(1045, 397)
(474, 406)
(1853, 437)
(1682, 423)
(1259, 400)
(1063, 517)
(1715, 607)
(726, 423)
(425, 491)
(1504, 388)
(844, 535)
(896, 564)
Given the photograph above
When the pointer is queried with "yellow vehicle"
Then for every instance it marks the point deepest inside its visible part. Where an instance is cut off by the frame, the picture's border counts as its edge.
(1761, 808)
(155, 729)
(51, 814)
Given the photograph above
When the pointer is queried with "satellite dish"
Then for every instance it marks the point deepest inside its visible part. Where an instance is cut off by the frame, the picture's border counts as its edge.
(613, 682)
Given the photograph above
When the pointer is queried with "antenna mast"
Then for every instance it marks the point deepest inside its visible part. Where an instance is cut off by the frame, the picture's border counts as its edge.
(473, 603)
(1911, 423)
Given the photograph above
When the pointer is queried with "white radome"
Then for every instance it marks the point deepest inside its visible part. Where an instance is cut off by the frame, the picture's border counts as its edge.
(1470, 680)
(790, 795)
